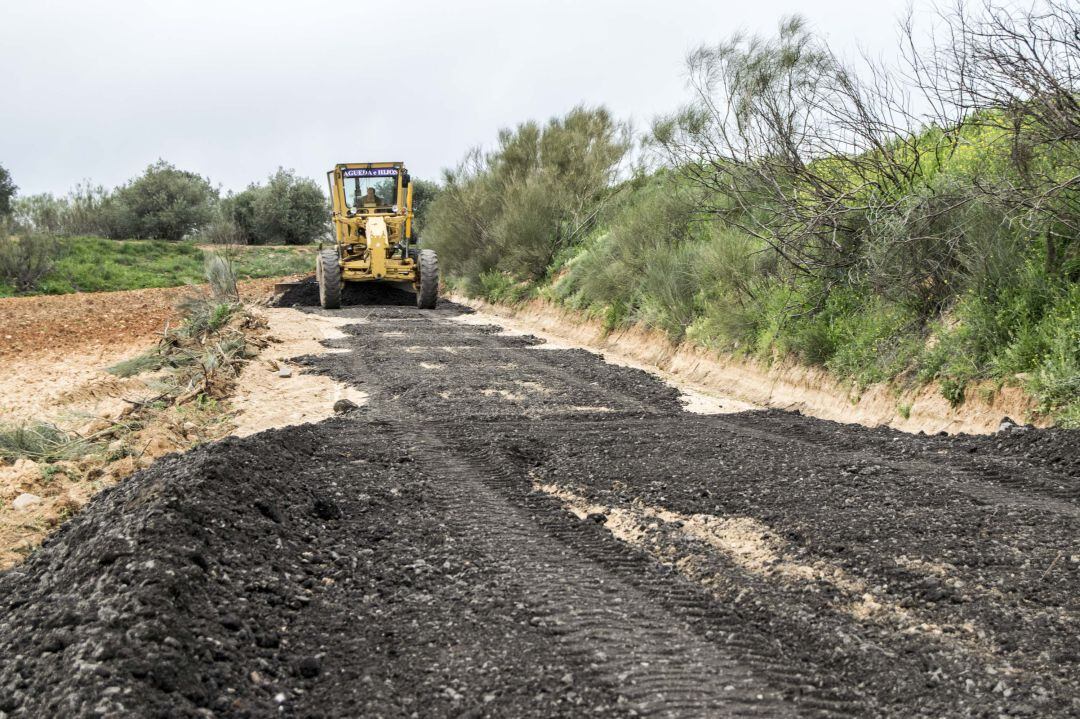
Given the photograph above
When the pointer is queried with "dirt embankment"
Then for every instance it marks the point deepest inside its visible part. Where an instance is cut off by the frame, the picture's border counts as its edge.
(746, 383)
(55, 371)
(85, 321)
(53, 347)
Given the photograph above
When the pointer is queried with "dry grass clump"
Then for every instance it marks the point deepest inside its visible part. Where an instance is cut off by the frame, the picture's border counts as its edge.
(202, 356)
(42, 442)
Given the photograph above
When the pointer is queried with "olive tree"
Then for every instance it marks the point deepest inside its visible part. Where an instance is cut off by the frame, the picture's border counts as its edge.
(7, 191)
(287, 210)
(164, 203)
(513, 209)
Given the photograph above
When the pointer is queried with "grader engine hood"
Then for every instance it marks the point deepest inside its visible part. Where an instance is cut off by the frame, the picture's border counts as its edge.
(377, 241)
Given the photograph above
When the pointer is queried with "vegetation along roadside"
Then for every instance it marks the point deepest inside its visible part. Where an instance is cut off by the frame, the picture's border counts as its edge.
(801, 206)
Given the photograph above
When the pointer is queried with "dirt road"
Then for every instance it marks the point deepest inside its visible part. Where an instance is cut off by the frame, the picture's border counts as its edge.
(509, 530)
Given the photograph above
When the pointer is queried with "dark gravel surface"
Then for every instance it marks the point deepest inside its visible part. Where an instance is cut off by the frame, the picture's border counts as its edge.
(400, 560)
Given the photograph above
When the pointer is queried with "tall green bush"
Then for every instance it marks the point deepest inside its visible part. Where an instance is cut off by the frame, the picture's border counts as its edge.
(291, 211)
(25, 256)
(7, 191)
(43, 212)
(424, 193)
(164, 203)
(804, 211)
(94, 210)
(514, 209)
(287, 210)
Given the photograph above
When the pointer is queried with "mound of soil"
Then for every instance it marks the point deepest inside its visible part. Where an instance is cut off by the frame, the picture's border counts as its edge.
(353, 294)
(54, 324)
(299, 571)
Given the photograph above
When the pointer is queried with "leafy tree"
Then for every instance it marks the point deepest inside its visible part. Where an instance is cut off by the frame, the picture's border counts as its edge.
(514, 209)
(287, 210)
(7, 192)
(239, 210)
(165, 203)
(43, 212)
(424, 193)
(290, 210)
(94, 210)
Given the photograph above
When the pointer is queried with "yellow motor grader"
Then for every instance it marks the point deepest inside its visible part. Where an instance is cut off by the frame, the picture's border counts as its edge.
(372, 216)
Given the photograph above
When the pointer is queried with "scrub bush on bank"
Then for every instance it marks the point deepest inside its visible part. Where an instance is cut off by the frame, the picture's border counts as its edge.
(851, 235)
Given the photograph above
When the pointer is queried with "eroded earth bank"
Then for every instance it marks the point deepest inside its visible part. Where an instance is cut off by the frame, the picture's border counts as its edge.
(508, 530)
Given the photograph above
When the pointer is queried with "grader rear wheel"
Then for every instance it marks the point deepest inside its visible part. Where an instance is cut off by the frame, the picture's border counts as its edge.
(427, 295)
(328, 272)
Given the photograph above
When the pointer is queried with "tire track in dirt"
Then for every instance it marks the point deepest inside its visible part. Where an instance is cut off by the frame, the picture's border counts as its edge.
(655, 661)
(628, 645)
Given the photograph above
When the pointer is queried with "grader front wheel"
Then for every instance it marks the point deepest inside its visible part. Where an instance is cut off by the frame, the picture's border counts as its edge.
(427, 294)
(328, 272)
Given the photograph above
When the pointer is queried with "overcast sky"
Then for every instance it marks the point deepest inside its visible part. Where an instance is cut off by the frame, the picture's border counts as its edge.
(98, 89)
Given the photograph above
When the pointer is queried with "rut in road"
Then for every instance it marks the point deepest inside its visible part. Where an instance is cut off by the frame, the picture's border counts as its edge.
(509, 530)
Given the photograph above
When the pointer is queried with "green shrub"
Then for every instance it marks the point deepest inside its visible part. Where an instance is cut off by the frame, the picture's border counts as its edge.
(223, 230)
(424, 193)
(513, 210)
(287, 210)
(164, 203)
(843, 235)
(1026, 326)
(239, 211)
(43, 213)
(1055, 379)
(952, 389)
(1069, 415)
(668, 291)
(25, 257)
(290, 211)
(93, 210)
(7, 192)
(934, 243)
(874, 342)
(501, 288)
(640, 260)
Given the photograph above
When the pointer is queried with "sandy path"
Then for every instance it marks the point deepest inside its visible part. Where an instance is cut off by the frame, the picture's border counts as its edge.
(735, 380)
(264, 399)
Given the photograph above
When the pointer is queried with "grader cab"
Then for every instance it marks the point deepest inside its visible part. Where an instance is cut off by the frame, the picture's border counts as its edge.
(372, 217)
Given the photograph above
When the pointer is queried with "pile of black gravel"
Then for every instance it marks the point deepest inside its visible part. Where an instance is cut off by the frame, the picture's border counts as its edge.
(298, 572)
(353, 294)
